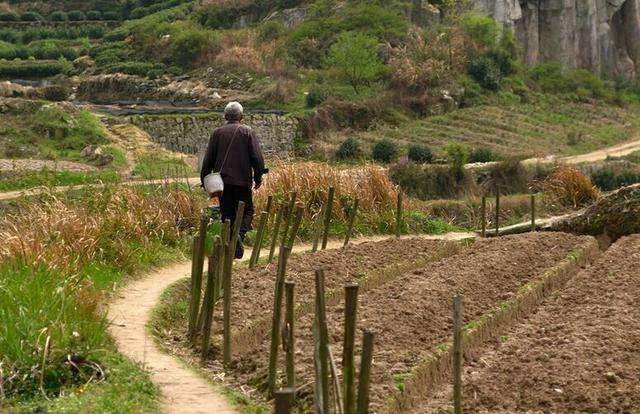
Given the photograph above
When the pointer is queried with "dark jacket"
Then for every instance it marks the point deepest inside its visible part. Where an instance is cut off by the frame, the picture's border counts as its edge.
(245, 162)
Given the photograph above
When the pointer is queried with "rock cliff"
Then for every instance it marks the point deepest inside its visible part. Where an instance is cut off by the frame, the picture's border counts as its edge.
(600, 35)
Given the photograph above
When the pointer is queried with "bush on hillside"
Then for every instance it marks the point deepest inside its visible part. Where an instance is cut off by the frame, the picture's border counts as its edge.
(483, 154)
(76, 16)
(608, 178)
(94, 15)
(349, 149)
(31, 17)
(510, 176)
(271, 30)
(56, 93)
(458, 155)
(484, 71)
(314, 98)
(9, 17)
(111, 15)
(385, 151)
(429, 181)
(570, 187)
(188, 46)
(32, 69)
(420, 154)
(354, 59)
(58, 16)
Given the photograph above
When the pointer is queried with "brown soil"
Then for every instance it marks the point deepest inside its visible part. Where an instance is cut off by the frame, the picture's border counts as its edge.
(253, 291)
(580, 352)
(410, 313)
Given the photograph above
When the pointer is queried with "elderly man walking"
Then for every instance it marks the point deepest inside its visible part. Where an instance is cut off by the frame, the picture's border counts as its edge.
(234, 151)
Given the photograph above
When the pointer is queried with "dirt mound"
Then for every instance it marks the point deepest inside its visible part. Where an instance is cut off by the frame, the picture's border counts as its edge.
(617, 214)
(578, 353)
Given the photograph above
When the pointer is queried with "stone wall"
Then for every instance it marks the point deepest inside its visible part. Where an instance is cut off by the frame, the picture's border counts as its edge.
(600, 35)
(190, 133)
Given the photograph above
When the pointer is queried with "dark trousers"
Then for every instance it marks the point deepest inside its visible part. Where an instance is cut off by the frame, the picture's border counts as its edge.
(231, 196)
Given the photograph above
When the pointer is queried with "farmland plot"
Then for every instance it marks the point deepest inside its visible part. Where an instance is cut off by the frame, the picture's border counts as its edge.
(580, 352)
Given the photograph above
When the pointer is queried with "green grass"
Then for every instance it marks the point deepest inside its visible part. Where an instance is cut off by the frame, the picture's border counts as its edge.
(12, 180)
(541, 127)
(151, 166)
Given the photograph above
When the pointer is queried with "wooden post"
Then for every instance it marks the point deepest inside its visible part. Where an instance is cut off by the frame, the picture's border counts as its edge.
(327, 217)
(348, 364)
(226, 308)
(288, 219)
(209, 298)
(276, 232)
(497, 210)
(196, 276)
(284, 400)
(483, 212)
(317, 228)
(288, 337)
(237, 223)
(276, 318)
(352, 221)
(225, 232)
(365, 372)
(533, 212)
(294, 228)
(322, 339)
(457, 354)
(399, 214)
(257, 245)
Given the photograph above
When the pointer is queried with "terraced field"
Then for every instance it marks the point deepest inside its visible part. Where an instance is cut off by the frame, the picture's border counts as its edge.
(580, 352)
(535, 129)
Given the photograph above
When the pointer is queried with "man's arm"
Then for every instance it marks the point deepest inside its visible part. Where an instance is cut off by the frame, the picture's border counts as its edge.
(256, 157)
(208, 163)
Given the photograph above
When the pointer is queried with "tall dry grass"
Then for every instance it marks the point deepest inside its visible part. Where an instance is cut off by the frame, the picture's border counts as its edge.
(311, 181)
(63, 233)
(569, 187)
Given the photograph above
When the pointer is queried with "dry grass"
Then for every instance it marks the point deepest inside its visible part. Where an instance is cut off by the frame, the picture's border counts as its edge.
(570, 187)
(63, 234)
(311, 181)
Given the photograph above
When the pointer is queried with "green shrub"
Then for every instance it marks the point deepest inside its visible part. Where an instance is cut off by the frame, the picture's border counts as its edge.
(188, 45)
(111, 15)
(354, 58)
(607, 178)
(76, 16)
(94, 15)
(503, 61)
(31, 69)
(9, 17)
(271, 30)
(484, 71)
(420, 154)
(429, 181)
(511, 176)
(56, 93)
(58, 16)
(349, 149)
(31, 17)
(314, 98)
(384, 151)
(482, 29)
(149, 69)
(482, 155)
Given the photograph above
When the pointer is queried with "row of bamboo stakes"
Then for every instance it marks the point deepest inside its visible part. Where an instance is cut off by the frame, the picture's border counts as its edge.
(218, 282)
(483, 213)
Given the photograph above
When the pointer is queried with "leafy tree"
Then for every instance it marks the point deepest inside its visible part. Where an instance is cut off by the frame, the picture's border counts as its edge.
(349, 149)
(354, 58)
(420, 154)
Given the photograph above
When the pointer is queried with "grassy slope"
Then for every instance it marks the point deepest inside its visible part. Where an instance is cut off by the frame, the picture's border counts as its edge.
(539, 128)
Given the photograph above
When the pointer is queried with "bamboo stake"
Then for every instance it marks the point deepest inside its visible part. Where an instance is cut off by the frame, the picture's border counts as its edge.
(209, 298)
(226, 308)
(533, 212)
(237, 223)
(327, 217)
(255, 253)
(497, 210)
(348, 364)
(212, 266)
(483, 212)
(352, 221)
(399, 214)
(337, 391)
(276, 232)
(295, 227)
(284, 400)
(318, 392)
(317, 228)
(323, 339)
(365, 372)
(196, 276)
(225, 231)
(289, 338)
(276, 318)
(289, 218)
(457, 354)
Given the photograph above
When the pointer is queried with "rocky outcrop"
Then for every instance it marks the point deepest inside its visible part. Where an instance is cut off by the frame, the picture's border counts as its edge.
(600, 35)
(190, 133)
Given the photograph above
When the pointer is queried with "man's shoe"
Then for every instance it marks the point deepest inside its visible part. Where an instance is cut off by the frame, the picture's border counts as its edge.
(239, 250)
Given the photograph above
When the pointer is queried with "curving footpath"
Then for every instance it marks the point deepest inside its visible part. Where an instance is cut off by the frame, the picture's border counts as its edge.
(182, 390)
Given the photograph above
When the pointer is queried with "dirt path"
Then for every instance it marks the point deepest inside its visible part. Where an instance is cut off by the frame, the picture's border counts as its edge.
(182, 390)
(28, 164)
